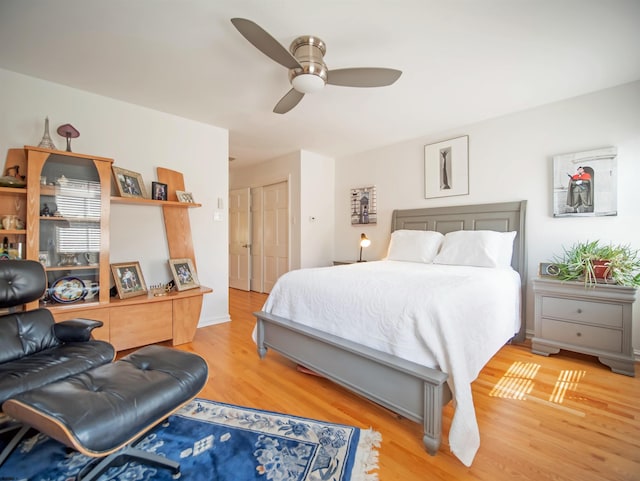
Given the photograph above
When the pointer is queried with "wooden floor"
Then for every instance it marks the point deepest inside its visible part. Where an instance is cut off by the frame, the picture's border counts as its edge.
(565, 417)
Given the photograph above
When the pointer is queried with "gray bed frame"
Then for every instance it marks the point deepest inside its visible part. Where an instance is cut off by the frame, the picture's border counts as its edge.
(410, 390)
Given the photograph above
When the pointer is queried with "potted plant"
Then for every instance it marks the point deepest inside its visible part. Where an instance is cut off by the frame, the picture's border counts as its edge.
(592, 262)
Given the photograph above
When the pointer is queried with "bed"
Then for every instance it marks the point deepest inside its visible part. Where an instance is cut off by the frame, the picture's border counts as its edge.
(401, 379)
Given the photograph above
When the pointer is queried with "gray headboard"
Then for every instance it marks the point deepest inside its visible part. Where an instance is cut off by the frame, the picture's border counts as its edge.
(501, 217)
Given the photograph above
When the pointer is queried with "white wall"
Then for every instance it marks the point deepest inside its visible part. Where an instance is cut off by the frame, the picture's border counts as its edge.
(510, 158)
(140, 140)
(311, 179)
(317, 210)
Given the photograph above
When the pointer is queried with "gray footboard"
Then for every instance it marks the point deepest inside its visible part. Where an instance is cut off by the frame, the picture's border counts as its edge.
(413, 391)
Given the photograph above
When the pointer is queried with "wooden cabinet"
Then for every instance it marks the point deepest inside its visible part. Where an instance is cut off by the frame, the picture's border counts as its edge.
(591, 320)
(66, 205)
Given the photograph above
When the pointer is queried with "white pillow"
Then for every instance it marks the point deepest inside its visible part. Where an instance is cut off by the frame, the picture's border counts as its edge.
(481, 248)
(414, 245)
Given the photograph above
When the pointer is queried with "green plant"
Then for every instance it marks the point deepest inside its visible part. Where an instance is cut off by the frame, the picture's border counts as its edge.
(579, 262)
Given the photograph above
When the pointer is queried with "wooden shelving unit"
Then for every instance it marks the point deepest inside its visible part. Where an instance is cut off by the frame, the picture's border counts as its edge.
(130, 322)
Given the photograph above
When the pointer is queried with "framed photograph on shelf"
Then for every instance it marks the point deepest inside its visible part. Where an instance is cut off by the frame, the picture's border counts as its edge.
(158, 191)
(128, 279)
(43, 258)
(446, 168)
(184, 274)
(128, 183)
(184, 196)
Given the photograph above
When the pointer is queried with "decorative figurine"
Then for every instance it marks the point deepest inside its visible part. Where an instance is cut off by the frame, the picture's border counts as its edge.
(46, 142)
(45, 212)
(68, 131)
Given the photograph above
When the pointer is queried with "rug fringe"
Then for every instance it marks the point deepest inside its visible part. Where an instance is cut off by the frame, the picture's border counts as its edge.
(367, 458)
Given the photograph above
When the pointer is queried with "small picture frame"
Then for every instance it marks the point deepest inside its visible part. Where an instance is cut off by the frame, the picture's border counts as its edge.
(184, 274)
(158, 191)
(184, 196)
(128, 279)
(43, 258)
(128, 183)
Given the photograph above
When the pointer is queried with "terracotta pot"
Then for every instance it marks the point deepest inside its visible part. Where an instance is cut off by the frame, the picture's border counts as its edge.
(602, 269)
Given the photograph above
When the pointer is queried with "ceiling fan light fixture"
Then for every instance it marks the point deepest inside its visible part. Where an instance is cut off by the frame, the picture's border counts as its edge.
(307, 83)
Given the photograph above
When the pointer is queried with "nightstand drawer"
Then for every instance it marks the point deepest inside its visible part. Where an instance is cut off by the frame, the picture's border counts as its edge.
(600, 313)
(582, 335)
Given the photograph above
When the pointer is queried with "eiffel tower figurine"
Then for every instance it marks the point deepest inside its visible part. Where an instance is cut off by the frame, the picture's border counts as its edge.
(46, 142)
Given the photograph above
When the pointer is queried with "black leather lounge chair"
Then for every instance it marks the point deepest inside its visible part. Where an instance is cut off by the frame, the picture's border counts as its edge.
(35, 351)
(48, 381)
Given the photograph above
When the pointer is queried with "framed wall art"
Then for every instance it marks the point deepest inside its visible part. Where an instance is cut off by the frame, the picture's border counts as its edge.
(128, 279)
(128, 183)
(446, 168)
(585, 184)
(364, 205)
(184, 274)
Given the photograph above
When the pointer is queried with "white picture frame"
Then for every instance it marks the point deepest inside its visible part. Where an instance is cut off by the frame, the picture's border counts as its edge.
(446, 168)
(585, 184)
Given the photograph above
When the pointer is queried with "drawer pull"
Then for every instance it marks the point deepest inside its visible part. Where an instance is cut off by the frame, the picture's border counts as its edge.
(578, 334)
(579, 311)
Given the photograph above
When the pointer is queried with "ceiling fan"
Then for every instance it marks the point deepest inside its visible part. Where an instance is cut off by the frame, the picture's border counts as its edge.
(307, 70)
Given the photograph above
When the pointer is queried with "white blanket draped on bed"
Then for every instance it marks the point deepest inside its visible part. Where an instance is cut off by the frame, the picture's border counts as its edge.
(453, 318)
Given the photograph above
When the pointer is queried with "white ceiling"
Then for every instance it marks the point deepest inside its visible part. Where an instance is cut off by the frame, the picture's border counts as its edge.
(463, 61)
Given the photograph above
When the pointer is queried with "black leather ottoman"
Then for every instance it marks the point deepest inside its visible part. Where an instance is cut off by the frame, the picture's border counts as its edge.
(102, 411)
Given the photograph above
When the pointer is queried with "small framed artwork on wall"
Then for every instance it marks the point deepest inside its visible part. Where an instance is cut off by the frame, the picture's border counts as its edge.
(364, 205)
(585, 184)
(446, 168)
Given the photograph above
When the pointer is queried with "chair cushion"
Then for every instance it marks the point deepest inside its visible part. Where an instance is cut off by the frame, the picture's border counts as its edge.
(51, 365)
(26, 333)
(21, 281)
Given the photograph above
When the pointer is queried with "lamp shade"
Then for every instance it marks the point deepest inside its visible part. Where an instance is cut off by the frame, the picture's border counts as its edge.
(364, 242)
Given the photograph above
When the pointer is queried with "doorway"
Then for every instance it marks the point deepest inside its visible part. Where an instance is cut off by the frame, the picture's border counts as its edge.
(258, 236)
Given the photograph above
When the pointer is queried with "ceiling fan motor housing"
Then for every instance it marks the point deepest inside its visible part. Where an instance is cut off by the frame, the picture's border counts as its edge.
(309, 51)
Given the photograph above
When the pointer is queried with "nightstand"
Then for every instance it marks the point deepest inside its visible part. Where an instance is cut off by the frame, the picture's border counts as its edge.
(591, 320)
(342, 263)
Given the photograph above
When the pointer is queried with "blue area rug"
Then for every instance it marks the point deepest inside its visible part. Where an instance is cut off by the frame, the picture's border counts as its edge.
(219, 442)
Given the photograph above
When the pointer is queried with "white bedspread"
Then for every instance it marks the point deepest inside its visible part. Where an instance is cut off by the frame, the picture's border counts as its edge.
(453, 318)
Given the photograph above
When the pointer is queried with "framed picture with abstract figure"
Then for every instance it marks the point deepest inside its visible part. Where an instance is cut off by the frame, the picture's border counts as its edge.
(184, 274)
(585, 183)
(158, 191)
(446, 168)
(128, 183)
(184, 196)
(364, 205)
(128, 279)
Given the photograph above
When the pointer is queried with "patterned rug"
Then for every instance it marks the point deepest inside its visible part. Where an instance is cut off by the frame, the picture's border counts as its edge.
(219, 442)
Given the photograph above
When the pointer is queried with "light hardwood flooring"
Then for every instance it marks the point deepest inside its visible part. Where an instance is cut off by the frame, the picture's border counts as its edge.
(563, 417)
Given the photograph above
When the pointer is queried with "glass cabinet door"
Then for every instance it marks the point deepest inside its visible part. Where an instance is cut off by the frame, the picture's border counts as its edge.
(70, 229)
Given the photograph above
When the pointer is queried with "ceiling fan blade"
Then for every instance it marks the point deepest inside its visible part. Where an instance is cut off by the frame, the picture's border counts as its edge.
(289, 101)
(363, 77)
(264, 42)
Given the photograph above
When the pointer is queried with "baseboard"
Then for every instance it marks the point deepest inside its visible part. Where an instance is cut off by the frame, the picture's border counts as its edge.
(213, 321)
